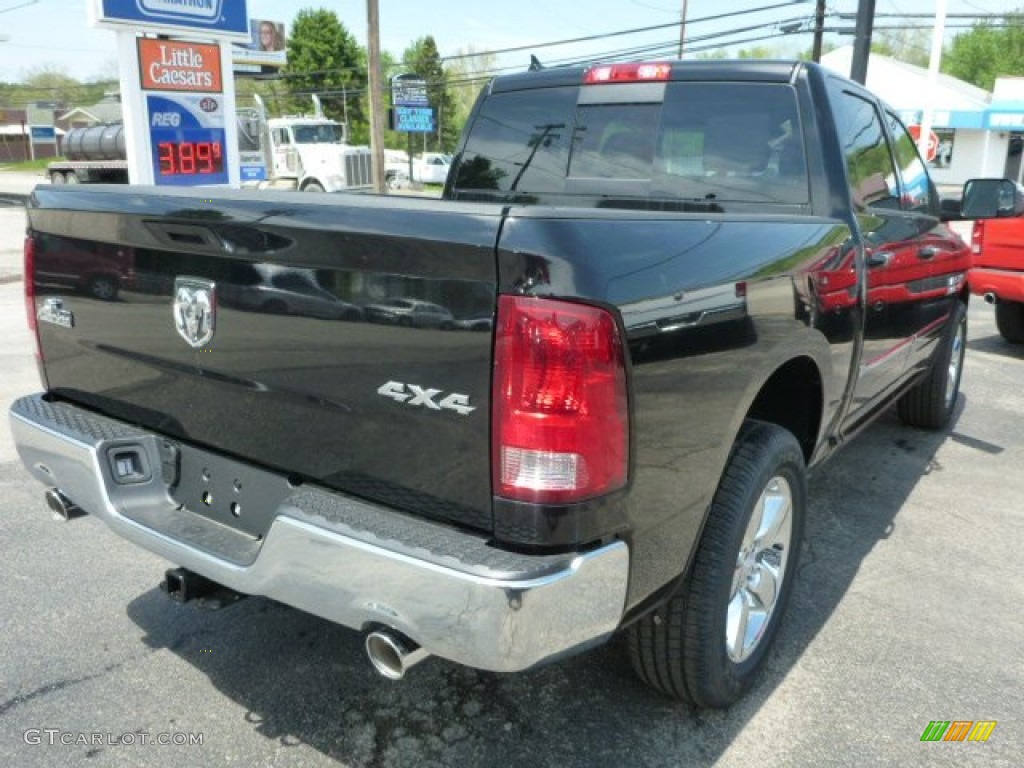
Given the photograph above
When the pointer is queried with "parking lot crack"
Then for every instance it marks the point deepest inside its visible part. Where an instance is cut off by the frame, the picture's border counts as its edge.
(60, 685)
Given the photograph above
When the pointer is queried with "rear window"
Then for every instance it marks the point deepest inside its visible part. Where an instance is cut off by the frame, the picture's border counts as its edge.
(705, 143)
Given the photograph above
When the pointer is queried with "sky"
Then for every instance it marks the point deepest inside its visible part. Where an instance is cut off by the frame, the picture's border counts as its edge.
(53, 34)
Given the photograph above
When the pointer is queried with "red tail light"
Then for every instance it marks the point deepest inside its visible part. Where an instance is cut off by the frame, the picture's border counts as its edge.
(977, 237)
(627, 73)
(29, 280)
(560, 413)
(30, 285)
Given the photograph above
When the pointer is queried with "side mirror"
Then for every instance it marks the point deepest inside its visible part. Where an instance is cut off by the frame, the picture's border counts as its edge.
(949, 209)
(991, 199)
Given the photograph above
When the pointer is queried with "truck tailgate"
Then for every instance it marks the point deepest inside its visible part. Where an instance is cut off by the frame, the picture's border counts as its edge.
(1003, 246)
(350, 343)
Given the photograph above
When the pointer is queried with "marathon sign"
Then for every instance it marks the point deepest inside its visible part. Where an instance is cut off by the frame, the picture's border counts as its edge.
(166, 65)
(227, 19)
(208, 10)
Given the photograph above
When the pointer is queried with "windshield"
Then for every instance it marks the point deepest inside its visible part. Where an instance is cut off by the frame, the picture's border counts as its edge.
(318, 133)
(696, 147)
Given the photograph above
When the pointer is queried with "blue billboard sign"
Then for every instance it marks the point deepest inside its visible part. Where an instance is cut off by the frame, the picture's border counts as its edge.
(413, 119)
(187, 139)
(44, 134)
(219, 18)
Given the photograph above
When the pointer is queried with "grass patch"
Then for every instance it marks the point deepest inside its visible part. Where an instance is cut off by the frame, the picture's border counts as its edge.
(30, 165)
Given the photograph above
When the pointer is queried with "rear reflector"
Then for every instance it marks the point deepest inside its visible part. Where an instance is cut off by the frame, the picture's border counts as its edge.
(560, 418)
(627, 73)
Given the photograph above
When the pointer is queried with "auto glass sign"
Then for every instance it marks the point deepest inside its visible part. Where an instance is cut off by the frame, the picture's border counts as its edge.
(222, 18)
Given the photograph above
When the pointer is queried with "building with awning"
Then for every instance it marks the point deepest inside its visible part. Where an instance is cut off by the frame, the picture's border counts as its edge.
(979, 133)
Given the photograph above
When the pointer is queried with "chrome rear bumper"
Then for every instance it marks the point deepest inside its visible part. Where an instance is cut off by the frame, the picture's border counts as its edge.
(344, 559)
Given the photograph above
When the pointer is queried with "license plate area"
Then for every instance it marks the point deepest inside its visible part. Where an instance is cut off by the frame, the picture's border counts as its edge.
(229, 492)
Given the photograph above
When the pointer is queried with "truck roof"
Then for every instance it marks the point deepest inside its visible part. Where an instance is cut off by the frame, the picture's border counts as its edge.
(290, 119)
(745, 70)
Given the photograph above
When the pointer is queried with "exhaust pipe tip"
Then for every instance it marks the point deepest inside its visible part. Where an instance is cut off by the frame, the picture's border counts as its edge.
(63, 508)
(393, 654)
(991, 298)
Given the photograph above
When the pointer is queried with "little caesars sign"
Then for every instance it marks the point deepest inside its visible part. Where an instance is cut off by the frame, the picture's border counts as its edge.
(166, 65)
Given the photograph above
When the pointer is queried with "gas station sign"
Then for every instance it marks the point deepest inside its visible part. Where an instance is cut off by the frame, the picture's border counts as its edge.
(186, 130)
(175, 93)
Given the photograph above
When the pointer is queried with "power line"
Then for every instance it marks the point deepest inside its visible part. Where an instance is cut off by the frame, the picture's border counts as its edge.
(20, 5)
(622, 32)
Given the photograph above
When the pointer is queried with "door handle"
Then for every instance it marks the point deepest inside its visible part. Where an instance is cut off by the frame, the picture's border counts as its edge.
(879, 259)
(927, 252)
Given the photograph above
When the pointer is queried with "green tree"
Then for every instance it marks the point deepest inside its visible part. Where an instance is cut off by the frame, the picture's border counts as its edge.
(468, 73)
(912, 46)
(54, 85)
(325, 59)
(827, 46)
(422, 58)
(986, 52)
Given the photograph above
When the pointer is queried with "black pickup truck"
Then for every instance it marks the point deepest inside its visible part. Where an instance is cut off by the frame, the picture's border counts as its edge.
(577, 396)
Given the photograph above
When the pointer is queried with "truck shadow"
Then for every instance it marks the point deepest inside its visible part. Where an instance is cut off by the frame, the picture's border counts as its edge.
(304, 681)
(996, 345)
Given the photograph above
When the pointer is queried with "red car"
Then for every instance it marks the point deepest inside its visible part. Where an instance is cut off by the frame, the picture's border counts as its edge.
(97, 269)
(998, 273)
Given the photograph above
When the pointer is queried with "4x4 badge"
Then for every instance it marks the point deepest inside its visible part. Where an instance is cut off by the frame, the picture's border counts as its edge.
(195, 310)
(411, 394)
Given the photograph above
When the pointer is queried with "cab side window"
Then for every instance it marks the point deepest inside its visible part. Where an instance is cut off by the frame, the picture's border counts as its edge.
(917, 187)
(870, 171)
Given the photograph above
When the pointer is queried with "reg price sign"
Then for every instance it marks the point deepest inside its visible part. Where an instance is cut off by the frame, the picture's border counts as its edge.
(188, 141)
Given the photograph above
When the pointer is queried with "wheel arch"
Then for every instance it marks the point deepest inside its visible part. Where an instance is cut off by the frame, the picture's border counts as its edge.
(793, 398)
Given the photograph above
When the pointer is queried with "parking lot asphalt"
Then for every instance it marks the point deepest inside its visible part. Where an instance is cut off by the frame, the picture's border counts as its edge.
(907, 609)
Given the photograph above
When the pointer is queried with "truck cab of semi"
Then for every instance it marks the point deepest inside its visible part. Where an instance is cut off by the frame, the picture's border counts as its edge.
(313, 153)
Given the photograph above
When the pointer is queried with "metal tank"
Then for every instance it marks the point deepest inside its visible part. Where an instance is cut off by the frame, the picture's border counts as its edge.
(97, 142)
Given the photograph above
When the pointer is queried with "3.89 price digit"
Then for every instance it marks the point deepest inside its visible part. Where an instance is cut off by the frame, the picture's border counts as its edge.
(168, 166)
(187, 158)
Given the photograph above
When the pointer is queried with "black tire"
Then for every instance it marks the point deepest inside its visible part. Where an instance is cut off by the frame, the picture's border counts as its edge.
(1010, 321)
(682, 648)
(930, 403)
(313, 186)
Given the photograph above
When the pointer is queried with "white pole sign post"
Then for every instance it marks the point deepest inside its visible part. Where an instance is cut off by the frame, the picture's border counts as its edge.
(177, 95)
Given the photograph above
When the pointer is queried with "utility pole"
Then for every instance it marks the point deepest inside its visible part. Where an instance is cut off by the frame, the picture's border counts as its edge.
(376, 110)
(682, 28)
(934, 61)
(862, 41)
(819, 26)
